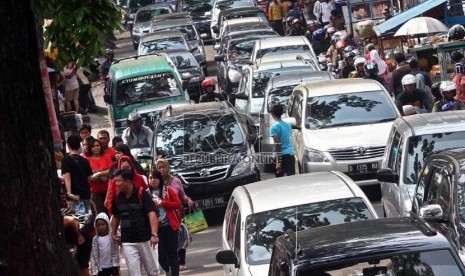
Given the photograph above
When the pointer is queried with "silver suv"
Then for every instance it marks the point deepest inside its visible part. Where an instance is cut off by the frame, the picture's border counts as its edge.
(341, 125)
(411, 140)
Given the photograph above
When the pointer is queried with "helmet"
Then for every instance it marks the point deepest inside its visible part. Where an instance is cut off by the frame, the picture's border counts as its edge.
(409, 79)
(456, 32)
(318, 34)
(330, 30)
(335, 38)
(349, 55)
(447, 86)
(109, 52)
(341, 44)
(134, 116)
(311, 22)
(208, 82)
(289, 19)
(359, 61)
(371, 68)
(296, 20)
(349, 48)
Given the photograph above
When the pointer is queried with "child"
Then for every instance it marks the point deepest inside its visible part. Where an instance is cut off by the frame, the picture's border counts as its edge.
(104, 257)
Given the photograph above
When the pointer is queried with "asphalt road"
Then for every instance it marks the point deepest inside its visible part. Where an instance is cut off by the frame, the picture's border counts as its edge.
(201, 253)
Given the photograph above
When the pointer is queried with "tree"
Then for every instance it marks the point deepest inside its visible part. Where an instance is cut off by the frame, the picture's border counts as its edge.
(31, 225)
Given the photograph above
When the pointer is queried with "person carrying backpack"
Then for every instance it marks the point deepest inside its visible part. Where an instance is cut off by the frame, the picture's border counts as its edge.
(134, 209)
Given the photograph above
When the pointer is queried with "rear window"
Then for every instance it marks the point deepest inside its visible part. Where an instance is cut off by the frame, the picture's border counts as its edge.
(146, 88)
(282, 50)
(159, 45)
(187, 30)
(147, 15)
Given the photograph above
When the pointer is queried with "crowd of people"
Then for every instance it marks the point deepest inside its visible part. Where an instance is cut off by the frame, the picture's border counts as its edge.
(114, 206)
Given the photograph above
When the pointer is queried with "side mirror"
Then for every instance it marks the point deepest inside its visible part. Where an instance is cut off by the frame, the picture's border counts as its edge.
(432, 212)
(409, 110)
(193, 49)
(387, 175)
(204, 36)
(219, 57)
(227, 257)
(107, 98)
(292, 121)
(242, 96)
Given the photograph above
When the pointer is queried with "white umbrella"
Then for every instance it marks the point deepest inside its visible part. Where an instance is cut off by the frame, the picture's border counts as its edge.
(422, 25)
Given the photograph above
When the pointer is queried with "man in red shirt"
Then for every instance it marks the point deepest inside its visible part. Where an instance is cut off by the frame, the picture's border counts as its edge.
(104, 137)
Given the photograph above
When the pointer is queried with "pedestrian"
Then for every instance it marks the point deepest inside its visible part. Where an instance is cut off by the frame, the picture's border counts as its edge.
(80, 234)
(124, 163)
(105, 67)
(85, 131)
(325, 7)
(168, 205)
(458, 78)
(123, 150)
(275, 15)
(397, 75)
(308, 9)
(76, 172)
(164, 167)
(117, 140)
(337, 21)
(448, 102)
(71, 85)
(382, 65)
(137, 135)
(100, 164)
(104, 257)
(283, 151)
(413, 96)
(104, 137)
(209, 94)
(135, 211)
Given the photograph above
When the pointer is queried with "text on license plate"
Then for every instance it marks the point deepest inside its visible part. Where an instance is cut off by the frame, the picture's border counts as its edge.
(209, 203)
(363, 168)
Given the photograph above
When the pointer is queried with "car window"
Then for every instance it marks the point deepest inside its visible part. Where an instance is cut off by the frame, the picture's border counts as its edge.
(263, 228)
(290, 105)
(237, 235)
(241, 50)
(146, 87)
(348, 109)
(243, 82)
(461, 193)
(431, 263)
(423, 186)
(280, 95)
(421, 146)
(183, 60)
(282, 50)
(439, 189)
(298, 109)
(159, 45)
(230, 232)
(147, 15)
(395, 154)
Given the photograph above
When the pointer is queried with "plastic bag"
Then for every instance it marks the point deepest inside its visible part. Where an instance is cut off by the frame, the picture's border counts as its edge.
(195, 221)
(80, 208)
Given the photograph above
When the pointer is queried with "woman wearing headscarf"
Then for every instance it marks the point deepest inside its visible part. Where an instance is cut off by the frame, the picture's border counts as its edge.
(382, 65)
(124, 163)
(164, 167)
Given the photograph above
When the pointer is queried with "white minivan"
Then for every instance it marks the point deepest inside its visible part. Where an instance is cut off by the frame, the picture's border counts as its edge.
(258, 213)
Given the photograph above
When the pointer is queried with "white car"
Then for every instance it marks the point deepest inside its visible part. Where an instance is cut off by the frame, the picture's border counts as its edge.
(220, 5)
(341, 125)
(258, 213)
(275, 46)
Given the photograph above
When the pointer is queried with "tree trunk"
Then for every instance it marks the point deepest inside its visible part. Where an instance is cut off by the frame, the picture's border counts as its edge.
(31, 226)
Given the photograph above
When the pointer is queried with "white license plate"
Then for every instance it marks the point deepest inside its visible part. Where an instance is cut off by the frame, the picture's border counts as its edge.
(209, 203)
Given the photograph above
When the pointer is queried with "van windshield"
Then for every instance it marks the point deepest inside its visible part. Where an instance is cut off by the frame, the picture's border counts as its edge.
(146, 88)
(263, 228)
(421, 146)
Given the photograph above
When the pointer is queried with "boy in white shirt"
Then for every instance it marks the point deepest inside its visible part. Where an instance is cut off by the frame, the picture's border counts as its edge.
(104, 258)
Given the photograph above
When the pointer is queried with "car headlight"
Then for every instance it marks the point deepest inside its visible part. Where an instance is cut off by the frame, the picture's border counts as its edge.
(313, 155)
(234, 75)
(244, 166)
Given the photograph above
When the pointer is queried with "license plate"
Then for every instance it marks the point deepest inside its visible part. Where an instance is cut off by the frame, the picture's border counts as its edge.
(363, 168)
(210, 203)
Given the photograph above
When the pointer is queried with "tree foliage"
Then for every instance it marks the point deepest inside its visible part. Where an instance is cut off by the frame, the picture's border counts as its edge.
(80, 28)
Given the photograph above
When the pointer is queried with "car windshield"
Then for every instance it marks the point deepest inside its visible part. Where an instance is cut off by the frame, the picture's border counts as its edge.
(198, 133)
(135, 4)
(421, 146)
(146, 15)
(146, 88)
(261, 78)
(183, 60)
(241, 50)
(155, 46)
(291, 49)
(263, 228)
(228, 4)
(431, 263)
(349, 109)
(197, 6)
(187, 30)
(280, 95)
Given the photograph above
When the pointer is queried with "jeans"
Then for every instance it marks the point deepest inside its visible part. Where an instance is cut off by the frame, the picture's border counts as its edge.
(137, 253)
(168, 250)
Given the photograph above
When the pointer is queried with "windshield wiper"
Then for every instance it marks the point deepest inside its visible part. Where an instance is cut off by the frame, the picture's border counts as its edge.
(339, 125)
(381, 121)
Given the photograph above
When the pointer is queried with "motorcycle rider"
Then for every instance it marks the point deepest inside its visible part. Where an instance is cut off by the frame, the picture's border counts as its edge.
(105, 67)
(210, 95)
(371, 71)
(413, 96)
(311, 27)
(359, 68)
(348, 64)
(296, 29)
(318, 42)
(448, 103)
(137, 135)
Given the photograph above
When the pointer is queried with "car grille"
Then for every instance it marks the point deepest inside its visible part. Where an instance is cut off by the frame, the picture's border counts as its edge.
(205, 175)
(357, 153)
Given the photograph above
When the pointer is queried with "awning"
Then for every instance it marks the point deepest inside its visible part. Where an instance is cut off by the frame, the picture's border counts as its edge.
(397, 21)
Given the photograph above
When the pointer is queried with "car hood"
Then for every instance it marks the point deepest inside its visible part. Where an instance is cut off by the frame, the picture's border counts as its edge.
(142, 25)
(374, 135)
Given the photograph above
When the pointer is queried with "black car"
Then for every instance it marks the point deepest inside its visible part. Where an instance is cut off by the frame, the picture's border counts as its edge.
(440, 195)
(197, 10)
(233, 53)
(394, 246)
(208, 146)
(190, 71)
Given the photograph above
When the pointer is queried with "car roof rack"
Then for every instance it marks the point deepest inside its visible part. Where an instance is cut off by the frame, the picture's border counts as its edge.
(136, 57)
